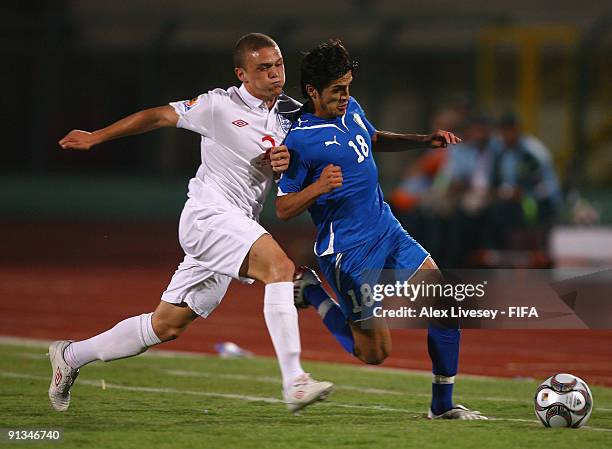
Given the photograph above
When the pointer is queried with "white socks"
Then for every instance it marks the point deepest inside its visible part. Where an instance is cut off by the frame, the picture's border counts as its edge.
(128, 338)
(282, 321)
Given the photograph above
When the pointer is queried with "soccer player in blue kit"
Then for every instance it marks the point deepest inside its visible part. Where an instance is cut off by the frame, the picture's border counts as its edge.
(332, 174)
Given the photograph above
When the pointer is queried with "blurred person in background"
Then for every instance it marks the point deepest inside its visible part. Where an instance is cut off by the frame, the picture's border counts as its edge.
(416, 201)
(412, 200)
(465, 179)
(525, 190)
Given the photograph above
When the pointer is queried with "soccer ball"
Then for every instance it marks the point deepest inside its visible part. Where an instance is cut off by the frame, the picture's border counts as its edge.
(563, 400)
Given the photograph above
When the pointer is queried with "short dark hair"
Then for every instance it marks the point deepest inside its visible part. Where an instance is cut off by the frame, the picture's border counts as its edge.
(325, 63)
(251, 42)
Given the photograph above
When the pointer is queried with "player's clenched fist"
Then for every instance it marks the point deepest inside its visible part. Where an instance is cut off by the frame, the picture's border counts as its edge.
(78, 140)
(330, 179)
(279, 158)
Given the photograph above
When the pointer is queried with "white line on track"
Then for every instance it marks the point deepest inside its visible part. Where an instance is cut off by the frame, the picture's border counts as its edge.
(249, 398)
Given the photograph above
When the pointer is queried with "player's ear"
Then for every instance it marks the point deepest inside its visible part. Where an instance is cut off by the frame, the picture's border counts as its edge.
(239, 71)
(312, 91)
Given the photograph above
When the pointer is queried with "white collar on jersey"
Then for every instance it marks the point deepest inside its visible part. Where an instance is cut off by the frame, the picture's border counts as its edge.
(252, 101)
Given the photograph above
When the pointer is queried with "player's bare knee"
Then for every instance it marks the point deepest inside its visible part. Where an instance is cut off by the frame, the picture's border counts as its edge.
(169, 321)
(169, 333)
(374, 356)
(281, 271)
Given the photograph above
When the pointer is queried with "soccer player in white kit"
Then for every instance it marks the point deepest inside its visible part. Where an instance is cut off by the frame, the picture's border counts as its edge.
(242, 129)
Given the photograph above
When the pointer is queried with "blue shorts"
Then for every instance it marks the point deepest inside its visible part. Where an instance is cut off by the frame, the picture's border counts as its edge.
(353, 273)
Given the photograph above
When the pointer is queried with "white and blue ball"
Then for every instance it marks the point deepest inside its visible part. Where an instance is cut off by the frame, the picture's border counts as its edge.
(563, 400)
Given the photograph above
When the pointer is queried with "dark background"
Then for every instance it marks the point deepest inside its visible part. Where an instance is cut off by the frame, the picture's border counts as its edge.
(84, 64)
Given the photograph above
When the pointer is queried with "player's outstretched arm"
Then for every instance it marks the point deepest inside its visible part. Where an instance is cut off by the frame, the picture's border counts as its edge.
(137, 123)
(386, 141)
(293, 204)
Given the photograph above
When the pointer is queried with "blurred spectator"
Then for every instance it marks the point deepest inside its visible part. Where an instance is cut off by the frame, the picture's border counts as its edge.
(418, 178)
(525, 191)
(466, 181)
(414, 200)
(492, 200)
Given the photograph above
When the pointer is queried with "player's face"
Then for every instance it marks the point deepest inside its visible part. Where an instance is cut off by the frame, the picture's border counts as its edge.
(263, 73)
(332, 101)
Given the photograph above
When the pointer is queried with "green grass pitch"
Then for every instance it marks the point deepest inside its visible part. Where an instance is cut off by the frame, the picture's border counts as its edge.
(172, 401)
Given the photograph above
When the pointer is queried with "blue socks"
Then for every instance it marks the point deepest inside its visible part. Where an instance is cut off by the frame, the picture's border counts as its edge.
(443, 346)
(332, 316)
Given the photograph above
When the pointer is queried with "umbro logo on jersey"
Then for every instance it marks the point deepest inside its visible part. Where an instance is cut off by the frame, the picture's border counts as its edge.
(239, 123)
(300, 121)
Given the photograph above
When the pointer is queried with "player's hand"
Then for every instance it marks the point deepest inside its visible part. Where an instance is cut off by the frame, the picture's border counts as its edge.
(330, 179)
(78, 140)
(442, 139)
(279, 158)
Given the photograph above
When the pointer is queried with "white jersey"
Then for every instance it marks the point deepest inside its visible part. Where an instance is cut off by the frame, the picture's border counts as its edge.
(237, 131)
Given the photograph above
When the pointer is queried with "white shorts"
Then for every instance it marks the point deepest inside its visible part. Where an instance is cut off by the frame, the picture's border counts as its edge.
(202, 290)
(216, 237)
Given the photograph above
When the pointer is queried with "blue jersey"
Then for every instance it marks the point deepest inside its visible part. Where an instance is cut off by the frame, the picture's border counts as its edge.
(356, 212)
